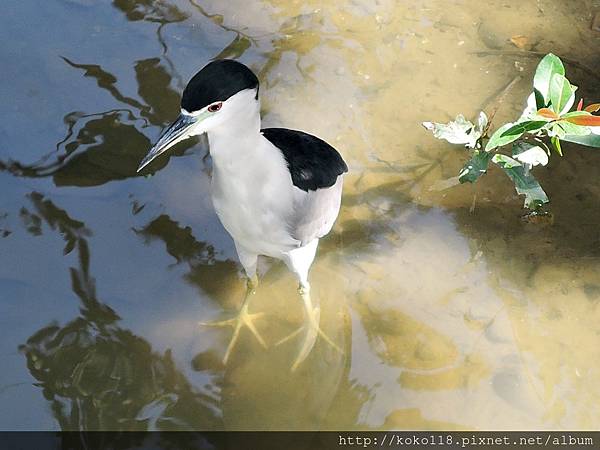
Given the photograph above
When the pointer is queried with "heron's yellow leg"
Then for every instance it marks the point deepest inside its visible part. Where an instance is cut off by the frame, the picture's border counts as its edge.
(310, 327)
(242, 318)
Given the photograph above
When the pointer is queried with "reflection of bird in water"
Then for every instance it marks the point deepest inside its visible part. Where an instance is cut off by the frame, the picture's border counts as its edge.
(276, 191)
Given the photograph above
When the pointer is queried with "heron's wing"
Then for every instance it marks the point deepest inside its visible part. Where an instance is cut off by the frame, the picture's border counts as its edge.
(312, 162)
(315, 212)
(316, 169)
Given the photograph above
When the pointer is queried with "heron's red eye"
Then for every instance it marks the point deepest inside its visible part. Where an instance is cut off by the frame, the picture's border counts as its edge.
(215, 107)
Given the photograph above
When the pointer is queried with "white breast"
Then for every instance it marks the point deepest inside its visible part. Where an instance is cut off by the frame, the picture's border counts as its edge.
(252, 193)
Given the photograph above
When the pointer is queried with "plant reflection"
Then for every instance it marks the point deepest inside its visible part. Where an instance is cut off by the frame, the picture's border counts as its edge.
(98, 148)
(108, 145)
(97, 375)
(211, 275)
(240, 43)
(150, 11)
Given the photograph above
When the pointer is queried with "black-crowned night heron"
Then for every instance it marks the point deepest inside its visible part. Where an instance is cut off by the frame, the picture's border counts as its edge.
(276, 191)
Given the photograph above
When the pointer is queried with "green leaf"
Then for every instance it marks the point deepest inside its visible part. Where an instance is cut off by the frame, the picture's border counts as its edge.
(575, 114)
(527, 153)
(556, 143)
(540, 102)
(556, 131)
(525, 182)
(546, 69)
(511, 132)
(524, 127)
(562, 94)
(506, 162)
(496, 139)
(458, 131)
(476, 167)
(591, 140)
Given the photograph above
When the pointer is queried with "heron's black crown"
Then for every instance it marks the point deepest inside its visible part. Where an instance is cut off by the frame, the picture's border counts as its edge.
(217, 81)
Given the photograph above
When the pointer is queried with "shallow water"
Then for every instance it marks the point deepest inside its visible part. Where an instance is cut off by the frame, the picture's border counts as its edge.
(452, 312)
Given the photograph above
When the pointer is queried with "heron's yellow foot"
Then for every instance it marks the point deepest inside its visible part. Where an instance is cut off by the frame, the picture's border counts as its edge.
(311, 328)
(241, 319)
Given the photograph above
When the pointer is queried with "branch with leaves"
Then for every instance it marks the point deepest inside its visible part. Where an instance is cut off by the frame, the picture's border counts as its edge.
(547, 120)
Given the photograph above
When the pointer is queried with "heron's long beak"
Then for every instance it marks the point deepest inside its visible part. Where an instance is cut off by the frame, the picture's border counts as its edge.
(176, 132)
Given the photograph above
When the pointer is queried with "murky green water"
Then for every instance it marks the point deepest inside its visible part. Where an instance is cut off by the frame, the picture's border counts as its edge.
(452, 312)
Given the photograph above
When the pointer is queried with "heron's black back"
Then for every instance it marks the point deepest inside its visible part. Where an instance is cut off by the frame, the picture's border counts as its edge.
(312, 162)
